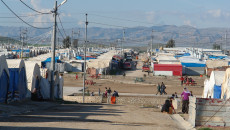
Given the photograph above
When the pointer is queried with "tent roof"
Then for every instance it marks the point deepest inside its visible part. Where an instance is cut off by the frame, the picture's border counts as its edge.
(219, 77)
(3, 65)
(16, 63)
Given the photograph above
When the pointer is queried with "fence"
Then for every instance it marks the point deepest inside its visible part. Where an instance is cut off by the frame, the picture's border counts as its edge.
(209, 112)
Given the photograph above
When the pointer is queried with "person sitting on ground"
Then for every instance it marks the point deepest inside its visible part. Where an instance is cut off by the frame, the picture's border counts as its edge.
(92, 94)
(115, 94)
(171, 109)
(166, 106)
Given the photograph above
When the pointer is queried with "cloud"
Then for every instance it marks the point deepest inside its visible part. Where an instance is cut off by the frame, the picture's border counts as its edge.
(150, 16)
(215, 13)
(188, 22)
(41, 20)
(81, 23)
(35, 3)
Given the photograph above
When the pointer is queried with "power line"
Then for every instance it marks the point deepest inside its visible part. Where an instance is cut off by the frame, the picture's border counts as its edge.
(60, 32)
(21, 18)
(34, 9)
(61, 25)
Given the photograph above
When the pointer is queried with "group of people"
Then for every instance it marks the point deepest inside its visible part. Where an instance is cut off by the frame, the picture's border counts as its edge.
(186, 80)
(168, 106)
(109, 91)
(161, 88)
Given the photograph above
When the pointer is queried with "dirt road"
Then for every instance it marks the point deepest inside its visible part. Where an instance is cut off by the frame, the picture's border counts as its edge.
(91, 116)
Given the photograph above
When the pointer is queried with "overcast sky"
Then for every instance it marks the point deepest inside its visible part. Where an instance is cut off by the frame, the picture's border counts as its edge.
(122, 13)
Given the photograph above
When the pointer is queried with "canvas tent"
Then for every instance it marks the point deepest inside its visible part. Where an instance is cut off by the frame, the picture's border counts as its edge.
(4, 79)
(212, 86)
(40, 83)
(18, 81)
(225, 93)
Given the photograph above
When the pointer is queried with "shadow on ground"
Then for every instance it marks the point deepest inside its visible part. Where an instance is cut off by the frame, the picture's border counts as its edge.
(63, 113)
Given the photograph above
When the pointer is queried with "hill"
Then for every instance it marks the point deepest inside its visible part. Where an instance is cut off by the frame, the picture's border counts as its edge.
(138, 36)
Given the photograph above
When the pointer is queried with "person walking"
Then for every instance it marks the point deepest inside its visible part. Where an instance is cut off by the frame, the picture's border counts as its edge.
(182, 80)
(158, 88)
(185, 100)
(76, 77)
(106, 92)
(163, 88)
(109, 91)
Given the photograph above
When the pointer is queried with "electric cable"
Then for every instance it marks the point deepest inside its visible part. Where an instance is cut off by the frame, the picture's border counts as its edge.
(61, 25)
(60, 32)
(22, 19)
(34, 9)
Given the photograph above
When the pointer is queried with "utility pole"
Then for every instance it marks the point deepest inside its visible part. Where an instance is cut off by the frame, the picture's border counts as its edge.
(24, 32)
(86, 23)
(225, 51)
(152, 45)
(52, 67)
(123, 41)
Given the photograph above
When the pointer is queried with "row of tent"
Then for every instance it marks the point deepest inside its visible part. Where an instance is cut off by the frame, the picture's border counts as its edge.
(218, 85)
(13, 81)
(18, 78)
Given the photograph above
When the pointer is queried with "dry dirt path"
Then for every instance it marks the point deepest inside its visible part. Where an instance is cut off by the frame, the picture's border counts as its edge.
(91, 116)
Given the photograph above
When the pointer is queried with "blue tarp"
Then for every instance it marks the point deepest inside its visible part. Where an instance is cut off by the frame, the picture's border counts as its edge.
(19, 50)
(3, 86)
(216, 57)
(22, 84)
(193, 64)
(217, 92)
(49, 60)
(81, 58)
(181, 55)
(13, 80)
(18, 83)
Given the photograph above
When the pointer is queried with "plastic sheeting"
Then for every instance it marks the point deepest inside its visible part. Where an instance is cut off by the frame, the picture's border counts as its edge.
(193, 64)
(4, 79)
(13, 85)
(3, 86)
(216, 79)
(217, 92)
(18, 83)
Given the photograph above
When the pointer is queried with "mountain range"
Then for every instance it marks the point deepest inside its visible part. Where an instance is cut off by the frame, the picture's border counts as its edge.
(184, 36)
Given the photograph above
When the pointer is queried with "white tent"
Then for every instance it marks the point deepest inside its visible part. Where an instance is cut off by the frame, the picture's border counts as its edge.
(216, 78)
(225, 93)
(32, 69)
